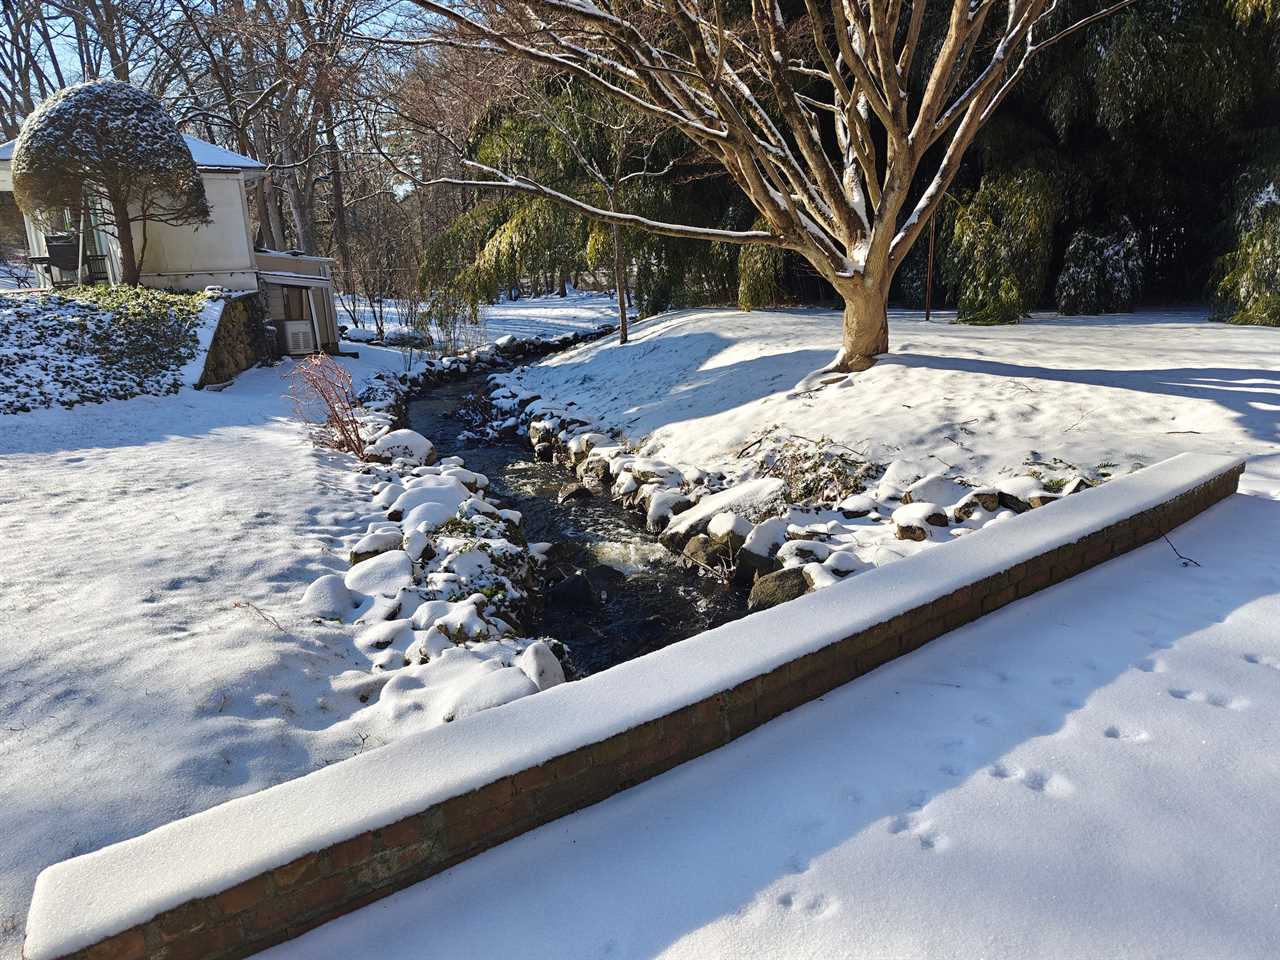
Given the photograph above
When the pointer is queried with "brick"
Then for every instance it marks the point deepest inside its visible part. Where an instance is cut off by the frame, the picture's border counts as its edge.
(206, 943)
(130, 945)
(401, 833)
(351, 852)
(319, 893)
(532, 778)
(608, 752)
(569, 765)
(243, 896)
(182, 920)
(302, 870)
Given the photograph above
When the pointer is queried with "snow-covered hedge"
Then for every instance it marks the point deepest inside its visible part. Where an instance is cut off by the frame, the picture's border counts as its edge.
(90, 344)
(1101, 274)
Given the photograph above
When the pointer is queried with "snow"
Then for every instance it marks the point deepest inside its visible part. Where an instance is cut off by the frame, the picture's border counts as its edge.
(403, 444)
(199, 515)
(544, 317)
(158, 656)
(79, 901)
(206, 154)
(748, 497)
(1104, 394)
(1085, 773)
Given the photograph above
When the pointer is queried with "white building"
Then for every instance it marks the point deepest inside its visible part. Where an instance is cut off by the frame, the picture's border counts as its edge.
(298, 288)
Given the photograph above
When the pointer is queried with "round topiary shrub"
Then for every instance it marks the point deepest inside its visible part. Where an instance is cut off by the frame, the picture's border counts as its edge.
(113, 146)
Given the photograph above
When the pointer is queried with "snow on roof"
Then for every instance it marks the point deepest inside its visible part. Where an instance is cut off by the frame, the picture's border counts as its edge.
(204, 153)
(207, 154)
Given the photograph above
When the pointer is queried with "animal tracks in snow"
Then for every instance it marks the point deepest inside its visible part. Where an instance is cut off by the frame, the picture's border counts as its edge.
(1128, 735)
(1044, 782)
(921, 829)
(1212, 699)
(816, 906)
(1262, 660)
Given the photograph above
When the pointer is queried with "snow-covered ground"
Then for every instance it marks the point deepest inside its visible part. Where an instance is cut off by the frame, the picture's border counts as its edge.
(1106, 394)
(154, 656)
(1090, 772)
(154, 660)
(548, 316)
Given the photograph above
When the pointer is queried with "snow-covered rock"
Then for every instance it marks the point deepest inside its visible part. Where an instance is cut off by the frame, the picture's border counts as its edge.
(382, 575)
(541, 666)
(407, 445)
(328, 598)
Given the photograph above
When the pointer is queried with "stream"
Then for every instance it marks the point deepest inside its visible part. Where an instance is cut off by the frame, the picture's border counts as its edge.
(612, 591)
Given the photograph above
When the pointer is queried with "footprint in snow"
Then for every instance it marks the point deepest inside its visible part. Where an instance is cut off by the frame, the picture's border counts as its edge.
(1151, 665)
(1128, 735)
(1044, 782)
(920, 829)
(1212, 699)
(1261, 660)
(815, 906)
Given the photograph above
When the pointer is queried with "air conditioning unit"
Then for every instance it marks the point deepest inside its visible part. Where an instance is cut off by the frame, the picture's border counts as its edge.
(299, 338)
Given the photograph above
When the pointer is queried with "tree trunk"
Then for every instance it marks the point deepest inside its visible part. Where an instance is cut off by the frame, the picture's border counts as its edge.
(866, 326)
(620, 283)
(124, 235)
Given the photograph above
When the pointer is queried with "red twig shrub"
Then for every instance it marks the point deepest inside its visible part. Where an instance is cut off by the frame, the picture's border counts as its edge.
(322, 395)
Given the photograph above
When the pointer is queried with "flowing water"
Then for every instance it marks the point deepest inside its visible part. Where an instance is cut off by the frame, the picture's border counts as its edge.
(613, 592)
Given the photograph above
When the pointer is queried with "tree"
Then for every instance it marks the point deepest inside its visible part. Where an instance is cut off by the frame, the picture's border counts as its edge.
(112, 146)
(844, 125)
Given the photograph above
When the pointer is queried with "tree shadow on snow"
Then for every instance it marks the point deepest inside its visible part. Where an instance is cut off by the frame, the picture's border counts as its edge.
(1252, 395)
(732, 834)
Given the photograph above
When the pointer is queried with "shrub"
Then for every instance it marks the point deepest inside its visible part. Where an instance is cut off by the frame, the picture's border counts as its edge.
(1101, 274)
(759, 273)
(1248, 286)
(90, 344)
(107, 141)
(999, 248)
(321, 391)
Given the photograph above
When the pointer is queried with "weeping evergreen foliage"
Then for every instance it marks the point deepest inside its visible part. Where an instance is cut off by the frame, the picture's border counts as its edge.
(999, 252)
(1144, 130)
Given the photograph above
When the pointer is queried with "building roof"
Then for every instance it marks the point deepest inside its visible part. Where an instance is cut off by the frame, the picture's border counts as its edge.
(204, 153)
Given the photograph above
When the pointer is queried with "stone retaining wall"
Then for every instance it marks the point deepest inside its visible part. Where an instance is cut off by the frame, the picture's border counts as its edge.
(240, 341)
(284, 902)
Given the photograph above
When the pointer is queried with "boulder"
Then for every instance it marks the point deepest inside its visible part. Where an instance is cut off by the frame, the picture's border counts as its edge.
(382, 575)
(701, 553)
(372, 544)
(912, 521)
(751, 566)
(1075, 485)
(751, 498)
(541, 665)
(573, 592)
(729, 531)
(544, 451)
(573, 491)
(775, 588)
(406, 445)
(328, 598)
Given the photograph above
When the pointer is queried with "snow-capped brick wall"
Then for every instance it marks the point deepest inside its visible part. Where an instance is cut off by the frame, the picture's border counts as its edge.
(239, 877)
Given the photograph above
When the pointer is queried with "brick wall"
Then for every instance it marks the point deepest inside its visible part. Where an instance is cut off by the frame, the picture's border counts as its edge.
(298, 896)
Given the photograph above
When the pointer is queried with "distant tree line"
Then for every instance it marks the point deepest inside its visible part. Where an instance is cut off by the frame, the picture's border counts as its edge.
(1136, 161)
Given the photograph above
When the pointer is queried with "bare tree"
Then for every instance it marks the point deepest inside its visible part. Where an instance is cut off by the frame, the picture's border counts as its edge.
(814, 117)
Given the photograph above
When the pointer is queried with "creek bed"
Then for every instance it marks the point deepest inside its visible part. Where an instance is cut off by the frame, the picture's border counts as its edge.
(613, 592)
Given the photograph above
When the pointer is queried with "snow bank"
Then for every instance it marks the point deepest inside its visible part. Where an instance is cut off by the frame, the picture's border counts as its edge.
(81, 901)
